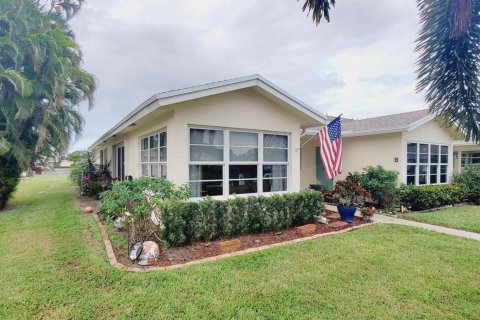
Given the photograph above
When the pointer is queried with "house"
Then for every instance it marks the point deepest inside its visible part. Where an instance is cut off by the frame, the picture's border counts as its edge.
(239, 136)
(415, 144)
(248, 136)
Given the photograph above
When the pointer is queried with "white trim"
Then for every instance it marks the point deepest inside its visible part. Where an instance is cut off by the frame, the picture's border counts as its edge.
(421, 122)
(353, 133)
(195, 92)
(149, 163)
(417, 164)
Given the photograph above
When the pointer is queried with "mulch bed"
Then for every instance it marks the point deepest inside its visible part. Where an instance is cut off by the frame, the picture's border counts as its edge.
(200, 250)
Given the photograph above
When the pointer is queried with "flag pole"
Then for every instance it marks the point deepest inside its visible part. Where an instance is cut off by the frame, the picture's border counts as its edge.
(303, 144)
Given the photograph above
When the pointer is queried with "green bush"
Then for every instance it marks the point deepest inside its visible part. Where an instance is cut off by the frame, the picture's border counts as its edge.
(138, 196)
(381, 184)
(428, 197)
(91, 178)
(470, 177)
(207, 219)
(10, 172)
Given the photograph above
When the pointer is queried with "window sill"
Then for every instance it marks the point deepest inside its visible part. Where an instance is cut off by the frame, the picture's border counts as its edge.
(245, 195)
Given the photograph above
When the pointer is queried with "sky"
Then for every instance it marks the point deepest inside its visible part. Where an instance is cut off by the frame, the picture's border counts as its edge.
(361, 64)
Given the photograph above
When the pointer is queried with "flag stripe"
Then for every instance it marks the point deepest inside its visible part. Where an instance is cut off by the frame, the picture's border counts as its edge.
(330, 141)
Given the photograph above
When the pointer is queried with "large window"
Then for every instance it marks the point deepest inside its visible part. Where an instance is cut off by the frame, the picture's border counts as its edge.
(153, 155)
(427, 163)
(230, 162)
(470, 158)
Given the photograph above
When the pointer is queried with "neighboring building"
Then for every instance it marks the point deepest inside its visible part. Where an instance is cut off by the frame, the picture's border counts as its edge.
(238, 136)
(415, 144)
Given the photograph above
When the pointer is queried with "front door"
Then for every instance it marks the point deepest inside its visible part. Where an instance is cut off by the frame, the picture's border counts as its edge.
(119, 168)
(321, 175)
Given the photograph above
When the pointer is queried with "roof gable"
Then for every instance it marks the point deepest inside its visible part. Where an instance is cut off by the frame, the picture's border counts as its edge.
(186, 94)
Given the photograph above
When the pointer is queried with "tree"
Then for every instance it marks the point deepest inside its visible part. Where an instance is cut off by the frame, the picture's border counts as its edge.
(76, 156)
(449, 57)
(41, 81)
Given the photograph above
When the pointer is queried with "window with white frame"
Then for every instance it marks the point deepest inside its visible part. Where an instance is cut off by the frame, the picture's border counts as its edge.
(230, 162)
(470, 158)
(427, 163)
(153, 155)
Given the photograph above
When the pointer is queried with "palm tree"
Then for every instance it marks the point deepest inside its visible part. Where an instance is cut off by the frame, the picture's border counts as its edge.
(449, 57)
(41, 82)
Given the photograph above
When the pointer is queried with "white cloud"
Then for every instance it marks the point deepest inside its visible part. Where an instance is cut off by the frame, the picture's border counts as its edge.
(361, 64)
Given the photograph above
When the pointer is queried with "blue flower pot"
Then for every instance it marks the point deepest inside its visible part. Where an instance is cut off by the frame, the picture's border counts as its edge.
(347, 213)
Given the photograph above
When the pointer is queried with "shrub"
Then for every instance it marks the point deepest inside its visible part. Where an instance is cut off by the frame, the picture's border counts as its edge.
(207, 219)
(349, 192)
(428, 197)
(138, 196)
(470, 177)
(91, 178)
(10, 172)
(381, 184)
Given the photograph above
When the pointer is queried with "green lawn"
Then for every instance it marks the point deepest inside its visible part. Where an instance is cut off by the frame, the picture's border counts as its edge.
(465, 217)
(53, 266)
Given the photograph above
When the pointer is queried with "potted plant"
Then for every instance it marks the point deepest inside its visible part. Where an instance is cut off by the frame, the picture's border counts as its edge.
(350, 195)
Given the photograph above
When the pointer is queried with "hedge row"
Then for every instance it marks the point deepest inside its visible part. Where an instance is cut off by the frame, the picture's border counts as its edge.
(185, 222)
(419, 198)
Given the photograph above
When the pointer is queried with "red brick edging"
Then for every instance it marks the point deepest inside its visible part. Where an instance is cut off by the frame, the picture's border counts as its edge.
(114, 263)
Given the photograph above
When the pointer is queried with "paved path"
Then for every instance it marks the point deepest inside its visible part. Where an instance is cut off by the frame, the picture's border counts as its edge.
(57, 172)
(386, 219)
(455, 232)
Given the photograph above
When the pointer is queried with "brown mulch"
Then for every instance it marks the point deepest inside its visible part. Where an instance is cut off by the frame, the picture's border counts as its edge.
(200, 250)
(84, 201)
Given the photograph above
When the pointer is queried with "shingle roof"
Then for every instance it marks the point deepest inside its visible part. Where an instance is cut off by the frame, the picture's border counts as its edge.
(383, 124)
(392, 121)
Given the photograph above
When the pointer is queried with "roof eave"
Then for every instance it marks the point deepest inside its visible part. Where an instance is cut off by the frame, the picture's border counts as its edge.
(217, 88)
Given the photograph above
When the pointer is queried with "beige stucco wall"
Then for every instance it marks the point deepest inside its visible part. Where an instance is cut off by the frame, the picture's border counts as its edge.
(381, 149)
(360, 152)
(308, 170)
(242, 109)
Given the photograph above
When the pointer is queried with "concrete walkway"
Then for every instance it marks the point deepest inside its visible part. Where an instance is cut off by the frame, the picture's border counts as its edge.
(454, 232)
(387, 219)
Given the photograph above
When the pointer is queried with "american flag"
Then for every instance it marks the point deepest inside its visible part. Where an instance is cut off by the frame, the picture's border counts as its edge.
(330, 138)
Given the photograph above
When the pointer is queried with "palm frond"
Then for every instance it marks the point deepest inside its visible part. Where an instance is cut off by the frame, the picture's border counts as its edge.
(449, 62)
(319, 9)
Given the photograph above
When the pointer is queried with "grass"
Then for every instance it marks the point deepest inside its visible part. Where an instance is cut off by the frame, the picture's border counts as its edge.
(53, 266)
(464, 217)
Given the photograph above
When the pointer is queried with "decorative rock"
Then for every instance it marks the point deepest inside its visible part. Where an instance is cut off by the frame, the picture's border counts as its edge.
(257, 241)
(207, 244)
(149, 254)
(333, 215)
(230, 245)
(322, 220)
(306, 229)
(278, 233)
(120, 223)
(136, 250)
(338, 224)
(88, 210)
